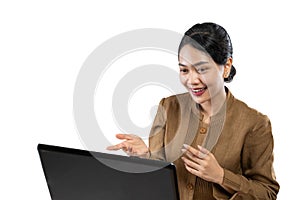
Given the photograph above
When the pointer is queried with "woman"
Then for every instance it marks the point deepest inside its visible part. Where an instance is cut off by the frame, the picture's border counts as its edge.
(222, 148)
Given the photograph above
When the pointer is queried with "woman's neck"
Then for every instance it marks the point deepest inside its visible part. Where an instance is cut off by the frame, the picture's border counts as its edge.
(213, 106)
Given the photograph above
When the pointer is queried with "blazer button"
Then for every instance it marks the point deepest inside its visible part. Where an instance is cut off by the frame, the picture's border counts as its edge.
(202, 130)
(190, 186)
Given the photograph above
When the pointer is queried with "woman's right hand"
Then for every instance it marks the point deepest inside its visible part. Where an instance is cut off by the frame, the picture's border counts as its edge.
(133, 145)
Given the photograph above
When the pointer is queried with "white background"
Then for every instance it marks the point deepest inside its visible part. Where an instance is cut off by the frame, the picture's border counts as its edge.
(44, 43)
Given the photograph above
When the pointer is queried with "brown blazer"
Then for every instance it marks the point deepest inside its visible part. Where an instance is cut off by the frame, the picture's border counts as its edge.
(244, 147)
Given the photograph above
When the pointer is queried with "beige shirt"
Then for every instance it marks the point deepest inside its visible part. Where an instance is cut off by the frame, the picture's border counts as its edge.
(239, 137)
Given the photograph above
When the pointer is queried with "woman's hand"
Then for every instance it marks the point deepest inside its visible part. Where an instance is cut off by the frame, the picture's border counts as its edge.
(133, 145)
(203, 164)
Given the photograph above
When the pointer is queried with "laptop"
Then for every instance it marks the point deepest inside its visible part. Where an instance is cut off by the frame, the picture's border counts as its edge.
(74, 174)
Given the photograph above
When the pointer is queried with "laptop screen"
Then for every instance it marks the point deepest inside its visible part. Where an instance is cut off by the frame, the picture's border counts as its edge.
(78, 174)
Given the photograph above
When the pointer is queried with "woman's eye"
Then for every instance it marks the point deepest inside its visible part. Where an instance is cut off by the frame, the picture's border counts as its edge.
(202, 70)
(183, 70)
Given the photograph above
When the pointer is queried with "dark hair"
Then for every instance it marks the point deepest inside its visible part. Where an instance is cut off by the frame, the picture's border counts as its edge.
(212, 39)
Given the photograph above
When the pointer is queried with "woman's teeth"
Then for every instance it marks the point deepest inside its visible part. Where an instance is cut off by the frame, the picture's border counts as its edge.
(198, 90)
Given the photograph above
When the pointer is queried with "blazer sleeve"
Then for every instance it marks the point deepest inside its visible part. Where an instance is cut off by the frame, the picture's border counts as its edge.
(257, 180)
(157, 134)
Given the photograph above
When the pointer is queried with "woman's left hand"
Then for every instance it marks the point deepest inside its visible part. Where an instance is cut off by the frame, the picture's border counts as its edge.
(203, 164)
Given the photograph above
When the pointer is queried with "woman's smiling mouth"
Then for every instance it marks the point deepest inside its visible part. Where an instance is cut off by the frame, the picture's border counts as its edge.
(198, 91)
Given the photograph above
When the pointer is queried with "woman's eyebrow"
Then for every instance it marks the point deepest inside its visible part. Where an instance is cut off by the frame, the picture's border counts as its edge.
(195, 64)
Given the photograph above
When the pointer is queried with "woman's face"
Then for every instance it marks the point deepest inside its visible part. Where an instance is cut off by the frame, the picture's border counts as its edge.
(202, 77)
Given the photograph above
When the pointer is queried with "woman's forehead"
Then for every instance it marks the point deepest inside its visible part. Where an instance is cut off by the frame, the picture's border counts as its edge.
(189, 55)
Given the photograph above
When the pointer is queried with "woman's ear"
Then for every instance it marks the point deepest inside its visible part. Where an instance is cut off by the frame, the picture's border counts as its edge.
(227, 68)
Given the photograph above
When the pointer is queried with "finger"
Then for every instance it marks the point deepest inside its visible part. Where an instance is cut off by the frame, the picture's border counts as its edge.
(116, 147)
(192, 156)
(113, 148)
(129, 149)
(191, 150)
(122, 136)
(191, 163)
(203, 150)
(193, 171)
(131, 152)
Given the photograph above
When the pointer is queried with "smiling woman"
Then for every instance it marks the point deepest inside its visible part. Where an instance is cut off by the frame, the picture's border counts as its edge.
(203, 78)
(222, 148)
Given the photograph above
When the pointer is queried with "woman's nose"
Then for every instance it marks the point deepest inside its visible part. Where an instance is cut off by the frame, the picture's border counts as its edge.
(193, 78)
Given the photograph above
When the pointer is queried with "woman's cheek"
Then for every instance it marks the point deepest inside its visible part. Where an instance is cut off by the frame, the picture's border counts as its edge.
(183, 80)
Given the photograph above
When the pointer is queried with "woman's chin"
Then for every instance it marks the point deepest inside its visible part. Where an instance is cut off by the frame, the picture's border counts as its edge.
(198, 99)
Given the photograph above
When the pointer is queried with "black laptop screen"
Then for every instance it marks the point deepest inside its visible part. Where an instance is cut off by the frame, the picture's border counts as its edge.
(78, 174)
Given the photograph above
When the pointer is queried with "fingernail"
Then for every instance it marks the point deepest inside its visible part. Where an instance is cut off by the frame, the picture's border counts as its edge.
(183, 150)
(185, 145)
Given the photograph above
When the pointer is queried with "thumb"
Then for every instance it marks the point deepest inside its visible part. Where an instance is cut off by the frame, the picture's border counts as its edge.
(123, 136)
